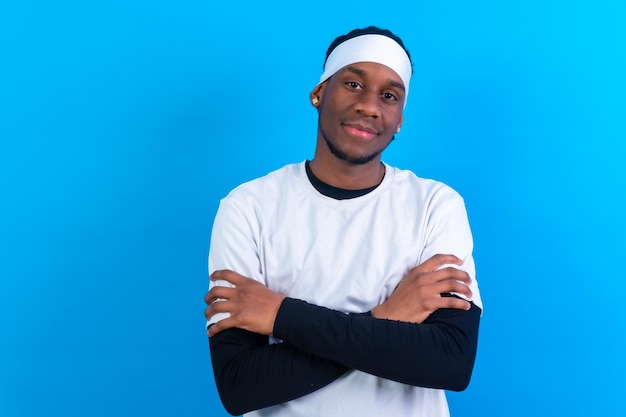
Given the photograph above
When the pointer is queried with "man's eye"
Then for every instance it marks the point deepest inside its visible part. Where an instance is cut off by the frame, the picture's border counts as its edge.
(353, 84)
(389, 96)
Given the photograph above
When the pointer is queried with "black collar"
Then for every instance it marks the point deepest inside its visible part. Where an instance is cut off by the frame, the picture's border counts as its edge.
(334, 192)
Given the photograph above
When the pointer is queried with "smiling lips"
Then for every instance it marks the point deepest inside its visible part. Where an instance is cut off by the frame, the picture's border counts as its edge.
(359, 130)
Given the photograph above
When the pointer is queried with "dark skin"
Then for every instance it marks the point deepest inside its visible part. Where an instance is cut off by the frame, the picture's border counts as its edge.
(360, 109)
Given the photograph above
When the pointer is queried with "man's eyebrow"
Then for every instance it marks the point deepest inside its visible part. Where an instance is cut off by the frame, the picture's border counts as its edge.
(359, 71)
(397, 85)
(355, 70)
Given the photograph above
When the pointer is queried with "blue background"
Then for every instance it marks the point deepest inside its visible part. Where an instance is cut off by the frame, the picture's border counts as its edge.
(122, 124)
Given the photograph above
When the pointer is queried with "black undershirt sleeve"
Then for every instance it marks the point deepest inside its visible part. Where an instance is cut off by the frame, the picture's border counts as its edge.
(320, 345)
(251, 374)
(438, 353)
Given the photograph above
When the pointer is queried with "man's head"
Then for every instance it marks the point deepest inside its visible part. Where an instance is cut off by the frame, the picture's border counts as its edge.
(361, 94)
(370, 44)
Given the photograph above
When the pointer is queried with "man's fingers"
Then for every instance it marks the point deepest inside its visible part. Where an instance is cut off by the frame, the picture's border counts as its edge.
(219, 292)
(444, 274)
(221, 307)
(457, 303)
(452, 285)
(220, 326)
(210, 311)
(452, 273)
(437, 261)
(226, 275)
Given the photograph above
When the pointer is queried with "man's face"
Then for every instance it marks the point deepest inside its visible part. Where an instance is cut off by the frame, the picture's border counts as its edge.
(360, 108)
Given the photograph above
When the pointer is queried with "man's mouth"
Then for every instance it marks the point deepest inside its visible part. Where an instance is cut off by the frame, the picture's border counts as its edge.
(360, 130)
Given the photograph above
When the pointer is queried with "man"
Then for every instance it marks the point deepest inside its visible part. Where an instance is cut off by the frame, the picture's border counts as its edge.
(342, 286)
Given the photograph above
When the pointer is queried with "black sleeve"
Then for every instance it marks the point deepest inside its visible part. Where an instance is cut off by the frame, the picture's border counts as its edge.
(251, 374)
(438, 353)
(321, 345)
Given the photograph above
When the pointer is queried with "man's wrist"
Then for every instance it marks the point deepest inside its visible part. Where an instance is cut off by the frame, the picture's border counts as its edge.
(377, 312)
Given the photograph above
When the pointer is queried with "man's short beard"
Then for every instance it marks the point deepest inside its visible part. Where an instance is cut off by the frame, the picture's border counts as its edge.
(339, 154)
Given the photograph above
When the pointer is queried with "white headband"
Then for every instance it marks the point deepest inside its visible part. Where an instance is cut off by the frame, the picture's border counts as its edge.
(370, 48)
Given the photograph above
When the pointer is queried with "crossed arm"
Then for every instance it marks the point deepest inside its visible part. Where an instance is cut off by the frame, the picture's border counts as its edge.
(417, 336)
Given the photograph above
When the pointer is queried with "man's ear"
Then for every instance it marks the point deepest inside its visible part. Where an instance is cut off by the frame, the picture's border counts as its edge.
(316, 94)
(400, 123)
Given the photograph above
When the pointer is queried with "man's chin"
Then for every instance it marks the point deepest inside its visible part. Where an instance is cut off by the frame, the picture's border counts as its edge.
(350, 158)
(362, 160)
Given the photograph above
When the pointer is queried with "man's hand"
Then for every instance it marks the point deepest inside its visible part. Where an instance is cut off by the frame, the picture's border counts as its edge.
(419, 293)
(252, 306)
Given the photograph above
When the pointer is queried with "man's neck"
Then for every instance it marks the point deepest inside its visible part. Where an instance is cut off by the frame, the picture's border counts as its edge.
(334, 192)
(342, 174)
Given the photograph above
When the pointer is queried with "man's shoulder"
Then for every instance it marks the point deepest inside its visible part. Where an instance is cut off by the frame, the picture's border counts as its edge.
(428, 188)
(268, 184)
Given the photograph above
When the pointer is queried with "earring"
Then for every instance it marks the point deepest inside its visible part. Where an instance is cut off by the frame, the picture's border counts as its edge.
(398, 129)
(315, 101)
